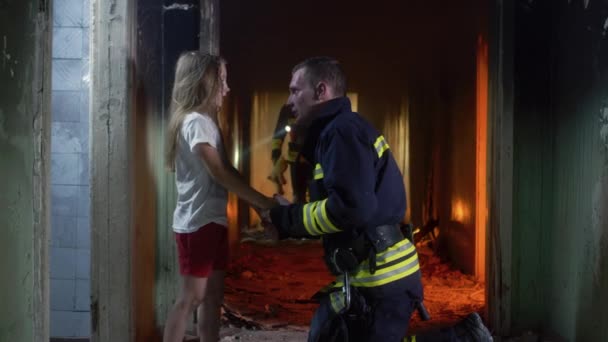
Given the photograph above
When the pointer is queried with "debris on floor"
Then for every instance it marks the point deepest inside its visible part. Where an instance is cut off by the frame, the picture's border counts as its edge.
(268, 287)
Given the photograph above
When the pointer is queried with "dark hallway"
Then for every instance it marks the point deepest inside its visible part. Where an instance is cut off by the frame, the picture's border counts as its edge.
(414, 71)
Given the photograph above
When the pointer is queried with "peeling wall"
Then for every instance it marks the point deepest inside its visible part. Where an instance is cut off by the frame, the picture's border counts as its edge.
(561, 169)
(24, 144)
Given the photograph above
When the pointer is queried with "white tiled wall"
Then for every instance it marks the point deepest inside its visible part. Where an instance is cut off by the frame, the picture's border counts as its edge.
(70, 224)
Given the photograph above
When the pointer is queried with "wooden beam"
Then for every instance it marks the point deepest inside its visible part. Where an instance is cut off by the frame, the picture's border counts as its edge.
(111, 177)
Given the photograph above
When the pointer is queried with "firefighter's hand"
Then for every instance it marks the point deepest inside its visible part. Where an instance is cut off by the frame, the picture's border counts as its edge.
(281, 199)
(270, 230)
(268, 203)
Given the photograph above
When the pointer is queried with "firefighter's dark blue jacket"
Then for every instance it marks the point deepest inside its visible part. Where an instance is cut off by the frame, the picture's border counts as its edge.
(357, 185)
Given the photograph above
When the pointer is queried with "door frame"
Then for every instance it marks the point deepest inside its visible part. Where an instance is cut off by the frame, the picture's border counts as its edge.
(113, 193)
(500, 184)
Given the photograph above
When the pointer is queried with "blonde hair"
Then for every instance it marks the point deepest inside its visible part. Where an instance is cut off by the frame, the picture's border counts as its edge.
(195, 88)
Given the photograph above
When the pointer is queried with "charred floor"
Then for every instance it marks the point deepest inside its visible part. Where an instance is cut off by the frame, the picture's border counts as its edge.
(269, 286)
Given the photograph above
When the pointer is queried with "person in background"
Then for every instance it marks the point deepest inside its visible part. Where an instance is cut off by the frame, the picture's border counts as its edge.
(300, 170)
(203, 176)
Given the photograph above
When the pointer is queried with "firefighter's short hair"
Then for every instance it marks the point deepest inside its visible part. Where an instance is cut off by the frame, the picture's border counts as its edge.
(326, 69)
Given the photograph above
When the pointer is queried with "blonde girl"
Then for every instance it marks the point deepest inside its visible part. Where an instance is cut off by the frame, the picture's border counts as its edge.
(203, 176)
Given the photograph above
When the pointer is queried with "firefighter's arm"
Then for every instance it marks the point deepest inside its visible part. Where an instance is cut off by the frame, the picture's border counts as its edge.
(347, 172)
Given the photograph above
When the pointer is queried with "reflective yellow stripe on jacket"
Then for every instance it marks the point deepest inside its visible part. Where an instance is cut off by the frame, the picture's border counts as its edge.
(318, 172)
(397, 262)
(316, 220)
(381, 145)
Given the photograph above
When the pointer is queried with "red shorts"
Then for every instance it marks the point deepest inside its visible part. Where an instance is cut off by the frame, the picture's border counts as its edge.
(203, 251)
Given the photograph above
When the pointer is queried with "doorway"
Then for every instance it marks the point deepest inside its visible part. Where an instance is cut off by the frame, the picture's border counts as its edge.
(425, 89)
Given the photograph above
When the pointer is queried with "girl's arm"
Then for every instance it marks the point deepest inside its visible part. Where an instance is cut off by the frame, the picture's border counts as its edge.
(229, 178)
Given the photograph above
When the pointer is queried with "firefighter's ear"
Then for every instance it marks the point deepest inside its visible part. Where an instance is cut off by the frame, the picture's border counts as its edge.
(320, 90)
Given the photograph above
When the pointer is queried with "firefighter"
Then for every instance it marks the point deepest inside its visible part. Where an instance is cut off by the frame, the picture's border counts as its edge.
(357, 200)
(299, 169)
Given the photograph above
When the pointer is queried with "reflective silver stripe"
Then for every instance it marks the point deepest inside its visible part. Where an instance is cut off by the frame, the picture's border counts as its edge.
(400, 249)
(324, 222)
(318, 173)
(315, 224)
(319, 219)
(381, 145)
(323, 208)
(406, 248)
(402, 269)
(409, 266)
(309, 223)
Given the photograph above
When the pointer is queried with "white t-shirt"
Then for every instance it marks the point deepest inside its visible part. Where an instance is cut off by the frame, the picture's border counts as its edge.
(200, 200)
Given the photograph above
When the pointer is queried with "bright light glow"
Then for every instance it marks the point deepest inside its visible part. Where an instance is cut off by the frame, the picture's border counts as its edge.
(287, 128)
(460, 211)
(236, 157)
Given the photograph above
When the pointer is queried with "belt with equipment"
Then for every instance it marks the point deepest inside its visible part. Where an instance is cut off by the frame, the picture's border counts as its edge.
(374, 249)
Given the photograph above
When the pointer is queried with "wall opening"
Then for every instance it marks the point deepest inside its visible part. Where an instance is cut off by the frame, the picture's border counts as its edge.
(70, 242)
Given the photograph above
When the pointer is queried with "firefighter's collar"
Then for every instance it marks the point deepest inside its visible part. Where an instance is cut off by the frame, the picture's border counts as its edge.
(332, 107)
(325, 113)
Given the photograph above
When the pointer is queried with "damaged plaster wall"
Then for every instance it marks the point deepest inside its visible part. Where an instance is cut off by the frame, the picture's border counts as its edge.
(24, 150)
(561, 169)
